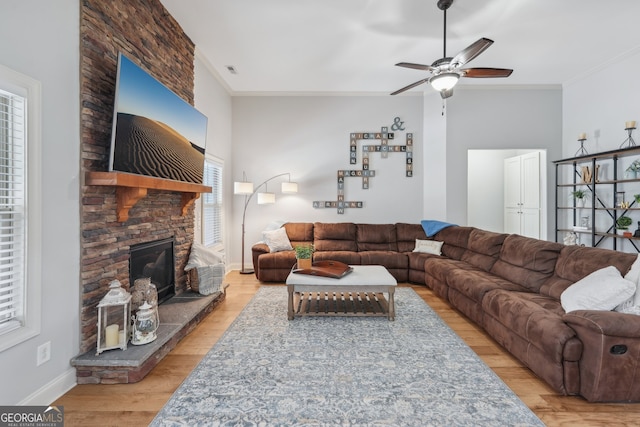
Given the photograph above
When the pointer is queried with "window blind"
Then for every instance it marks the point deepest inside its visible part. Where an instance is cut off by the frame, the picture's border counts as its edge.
(212, 204)
(12, 210)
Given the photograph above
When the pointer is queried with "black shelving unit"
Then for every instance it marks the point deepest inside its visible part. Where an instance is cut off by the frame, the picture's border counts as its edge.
(603, 203)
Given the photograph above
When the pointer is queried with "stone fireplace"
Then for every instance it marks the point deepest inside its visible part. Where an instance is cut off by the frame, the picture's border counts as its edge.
(119, 215)
(149, 35)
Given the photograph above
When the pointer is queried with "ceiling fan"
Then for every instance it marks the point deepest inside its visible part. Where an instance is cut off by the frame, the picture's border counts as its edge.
(446, 71)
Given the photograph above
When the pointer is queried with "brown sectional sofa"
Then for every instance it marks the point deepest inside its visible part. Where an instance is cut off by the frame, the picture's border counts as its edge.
(508, 284)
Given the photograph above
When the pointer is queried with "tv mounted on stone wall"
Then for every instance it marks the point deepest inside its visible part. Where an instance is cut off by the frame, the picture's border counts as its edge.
(155, 132)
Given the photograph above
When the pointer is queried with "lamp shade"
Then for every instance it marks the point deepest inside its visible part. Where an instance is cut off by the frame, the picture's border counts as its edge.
(289, 187)
(242, 187)
(444, 81)
(265, 198)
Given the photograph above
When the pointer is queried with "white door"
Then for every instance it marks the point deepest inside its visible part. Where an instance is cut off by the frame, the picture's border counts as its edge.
(522, 195)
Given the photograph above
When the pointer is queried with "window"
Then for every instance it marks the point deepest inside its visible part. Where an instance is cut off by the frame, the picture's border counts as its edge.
(19, 222)
(212, 205)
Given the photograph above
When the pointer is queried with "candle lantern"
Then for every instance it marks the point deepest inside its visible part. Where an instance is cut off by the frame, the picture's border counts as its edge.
(145, 324)
(114, 311)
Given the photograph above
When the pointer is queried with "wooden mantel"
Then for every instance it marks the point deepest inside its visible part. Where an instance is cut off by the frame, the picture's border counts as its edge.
(130, 188)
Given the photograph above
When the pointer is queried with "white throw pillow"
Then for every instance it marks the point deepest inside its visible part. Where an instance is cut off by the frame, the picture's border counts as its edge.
(603, 289)
(428, 247)
(202, 256)
(632, 305)
(277, 240)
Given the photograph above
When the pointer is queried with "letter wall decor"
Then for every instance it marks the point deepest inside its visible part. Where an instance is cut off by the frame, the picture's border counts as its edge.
(384, 148)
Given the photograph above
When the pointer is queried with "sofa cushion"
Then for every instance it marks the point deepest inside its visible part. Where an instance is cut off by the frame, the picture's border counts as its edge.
(406, 235)
(299, 232)
(376, 237)
(334, 237)
(455, 241)
(388, 259)
(526, 261)
(347, 257)
(441, 267)
(483, 248)
(417, 259)
(474, 283)
(535, 318)
(576, 262)
(603, 289)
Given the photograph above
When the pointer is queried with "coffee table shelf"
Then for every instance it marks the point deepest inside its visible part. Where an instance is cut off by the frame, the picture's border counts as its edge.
(340, 304)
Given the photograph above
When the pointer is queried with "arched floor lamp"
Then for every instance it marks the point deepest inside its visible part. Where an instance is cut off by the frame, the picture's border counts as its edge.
(245, 188)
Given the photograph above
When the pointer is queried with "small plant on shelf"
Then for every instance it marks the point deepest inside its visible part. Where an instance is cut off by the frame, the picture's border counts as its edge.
(580, 194)
(623, 222)
(637, 198)
(634, 167)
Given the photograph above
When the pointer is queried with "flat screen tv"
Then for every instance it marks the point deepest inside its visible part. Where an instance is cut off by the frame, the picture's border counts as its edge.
(155, 132)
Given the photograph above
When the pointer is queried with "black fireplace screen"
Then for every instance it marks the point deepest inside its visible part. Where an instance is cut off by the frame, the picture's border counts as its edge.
(155, 260)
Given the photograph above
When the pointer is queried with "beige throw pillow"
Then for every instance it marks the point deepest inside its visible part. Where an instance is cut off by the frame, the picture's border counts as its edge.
(428, 247)
(277, 240)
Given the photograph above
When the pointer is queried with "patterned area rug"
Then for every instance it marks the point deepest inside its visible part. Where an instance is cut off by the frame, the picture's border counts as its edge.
(342, 371)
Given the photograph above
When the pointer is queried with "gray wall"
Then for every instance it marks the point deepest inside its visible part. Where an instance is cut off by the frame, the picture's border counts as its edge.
(41, 40)
(500, 118)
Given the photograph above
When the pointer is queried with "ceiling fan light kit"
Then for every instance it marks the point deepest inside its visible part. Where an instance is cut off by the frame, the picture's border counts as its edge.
(444, 81)
(446, 71)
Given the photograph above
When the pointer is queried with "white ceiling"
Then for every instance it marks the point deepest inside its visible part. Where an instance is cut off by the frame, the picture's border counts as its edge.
(351, 46)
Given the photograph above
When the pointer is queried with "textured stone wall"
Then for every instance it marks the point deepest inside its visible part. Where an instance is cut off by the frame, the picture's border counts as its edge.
(145, 32)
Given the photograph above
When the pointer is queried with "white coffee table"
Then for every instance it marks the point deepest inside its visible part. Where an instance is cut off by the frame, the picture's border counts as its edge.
(359, 293)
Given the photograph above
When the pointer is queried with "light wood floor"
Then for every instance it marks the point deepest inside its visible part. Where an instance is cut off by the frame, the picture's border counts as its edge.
(137, 404)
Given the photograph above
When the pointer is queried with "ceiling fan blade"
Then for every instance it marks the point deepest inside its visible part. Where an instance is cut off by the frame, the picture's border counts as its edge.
(412, 85)
(446, 93)
(471, 52)
(486, 72)
(415, 66)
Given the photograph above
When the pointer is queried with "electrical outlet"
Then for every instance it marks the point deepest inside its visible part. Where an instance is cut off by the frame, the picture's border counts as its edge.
(44, 353)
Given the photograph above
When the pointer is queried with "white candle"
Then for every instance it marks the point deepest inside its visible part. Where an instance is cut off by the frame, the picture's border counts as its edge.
(121, 337)
(111, 335)
(630, 125)
(582, 136)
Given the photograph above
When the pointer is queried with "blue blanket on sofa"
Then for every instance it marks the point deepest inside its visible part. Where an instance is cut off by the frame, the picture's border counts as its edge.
(431, 227)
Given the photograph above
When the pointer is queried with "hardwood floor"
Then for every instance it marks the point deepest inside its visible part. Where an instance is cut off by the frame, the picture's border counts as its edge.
(136, 404)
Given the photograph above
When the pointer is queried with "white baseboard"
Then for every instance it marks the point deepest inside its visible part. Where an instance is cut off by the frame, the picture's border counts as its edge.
(52, 390)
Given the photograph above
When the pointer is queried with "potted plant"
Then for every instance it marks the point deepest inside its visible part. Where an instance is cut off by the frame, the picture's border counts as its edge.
(304, 253)
(623, 223)
(633, 169)
(581, 196)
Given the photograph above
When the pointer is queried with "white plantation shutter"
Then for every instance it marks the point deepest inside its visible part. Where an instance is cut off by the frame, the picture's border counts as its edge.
(12, 210)
(212, 205)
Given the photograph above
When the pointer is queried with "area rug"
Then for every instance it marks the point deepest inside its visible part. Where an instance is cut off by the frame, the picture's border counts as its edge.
(342, 371)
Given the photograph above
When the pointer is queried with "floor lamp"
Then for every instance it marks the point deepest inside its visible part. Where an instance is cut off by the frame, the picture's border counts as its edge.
(246, 188)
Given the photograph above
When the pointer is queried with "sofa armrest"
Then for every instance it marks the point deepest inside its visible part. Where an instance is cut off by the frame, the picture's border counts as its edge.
(257, 250)
(610, 361)
(260, 248)
(610, 323)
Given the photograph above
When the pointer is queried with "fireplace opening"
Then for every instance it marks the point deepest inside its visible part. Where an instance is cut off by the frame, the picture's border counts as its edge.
(155, 260)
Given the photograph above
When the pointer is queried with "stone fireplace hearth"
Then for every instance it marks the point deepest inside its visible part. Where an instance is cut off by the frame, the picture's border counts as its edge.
(178, 316)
